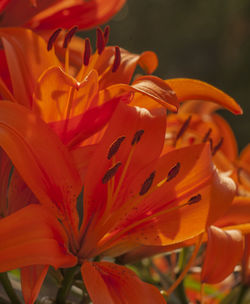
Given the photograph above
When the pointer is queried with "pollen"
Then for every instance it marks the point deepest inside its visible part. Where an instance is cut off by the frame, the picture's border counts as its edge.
(173, 172)
(87, 52)
(147, 183)
(117, 60)
(194, 199)
(53, 38)
(137, 137)
(115, 147)
(111, 172)
(69, 36)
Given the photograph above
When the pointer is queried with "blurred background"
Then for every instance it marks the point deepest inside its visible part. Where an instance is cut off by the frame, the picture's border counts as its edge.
(201, 39)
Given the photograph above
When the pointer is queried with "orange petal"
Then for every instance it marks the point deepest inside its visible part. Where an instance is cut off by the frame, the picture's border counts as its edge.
(117, 284)
(85, 14)
(189, 89)
(224, 250)
(32, 236)
(238, 213)
(81, 156)
(5, 81)
(157, 89)
(53, 89)
(150, 88)
(5, 174)
(16, 13)
(27, 58)
(33, 149)
(32, 278)
(245, 154)
(246, 261)
(229, 146)
(19, 194)
(244, 163)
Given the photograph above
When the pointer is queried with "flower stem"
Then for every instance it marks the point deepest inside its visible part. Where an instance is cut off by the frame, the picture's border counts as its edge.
(243, 290)
(5, 281)
(67, 282)
(188, 265)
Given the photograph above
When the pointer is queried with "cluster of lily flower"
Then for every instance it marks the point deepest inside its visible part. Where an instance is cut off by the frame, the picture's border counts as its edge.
(95, 175)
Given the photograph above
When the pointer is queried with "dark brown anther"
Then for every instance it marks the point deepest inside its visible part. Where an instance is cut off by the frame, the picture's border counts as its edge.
(117, 60)
(217, 147)
(115, 146)
(106, 34)
(211, 144)
(87, 52)
(173, 172)
(100, 43)
(137, 137)
(206, 137)
(110, 173)
(52, 38)
(194, 199)
(69, 36)
(183, 128)
(147, 184)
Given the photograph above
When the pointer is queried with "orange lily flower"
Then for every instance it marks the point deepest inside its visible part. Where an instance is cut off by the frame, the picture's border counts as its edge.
(86, 101)
(50, 14)
(101, 77)
(224, 251)
(125, 201)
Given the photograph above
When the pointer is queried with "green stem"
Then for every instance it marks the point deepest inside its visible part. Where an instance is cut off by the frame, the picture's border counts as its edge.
(4, 279)
(180, 291)
(242, 293)
(67, 282)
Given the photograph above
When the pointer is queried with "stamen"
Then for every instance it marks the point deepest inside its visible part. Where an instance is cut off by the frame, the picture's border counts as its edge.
(205, 138)
(115, 146)
(217, 147)
(137, 137)
(110, 173)
(173, 172)
(117, 60)
(106, 34)
(211, 144)
(183, 128)
(69, 36)
(147, 184)
(194, 199)
(87, 52)
(52, 38)
(100, 42)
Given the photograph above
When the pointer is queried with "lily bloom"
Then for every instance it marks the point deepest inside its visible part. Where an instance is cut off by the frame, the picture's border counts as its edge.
(75, 102)
(50, 14)
(132, 197)
(86, 81)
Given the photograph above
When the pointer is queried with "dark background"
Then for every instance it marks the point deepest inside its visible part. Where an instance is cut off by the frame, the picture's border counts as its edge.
(202, 39)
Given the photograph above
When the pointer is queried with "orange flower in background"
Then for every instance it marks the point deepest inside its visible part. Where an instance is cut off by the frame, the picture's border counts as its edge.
(124, 203)
(50, 14)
